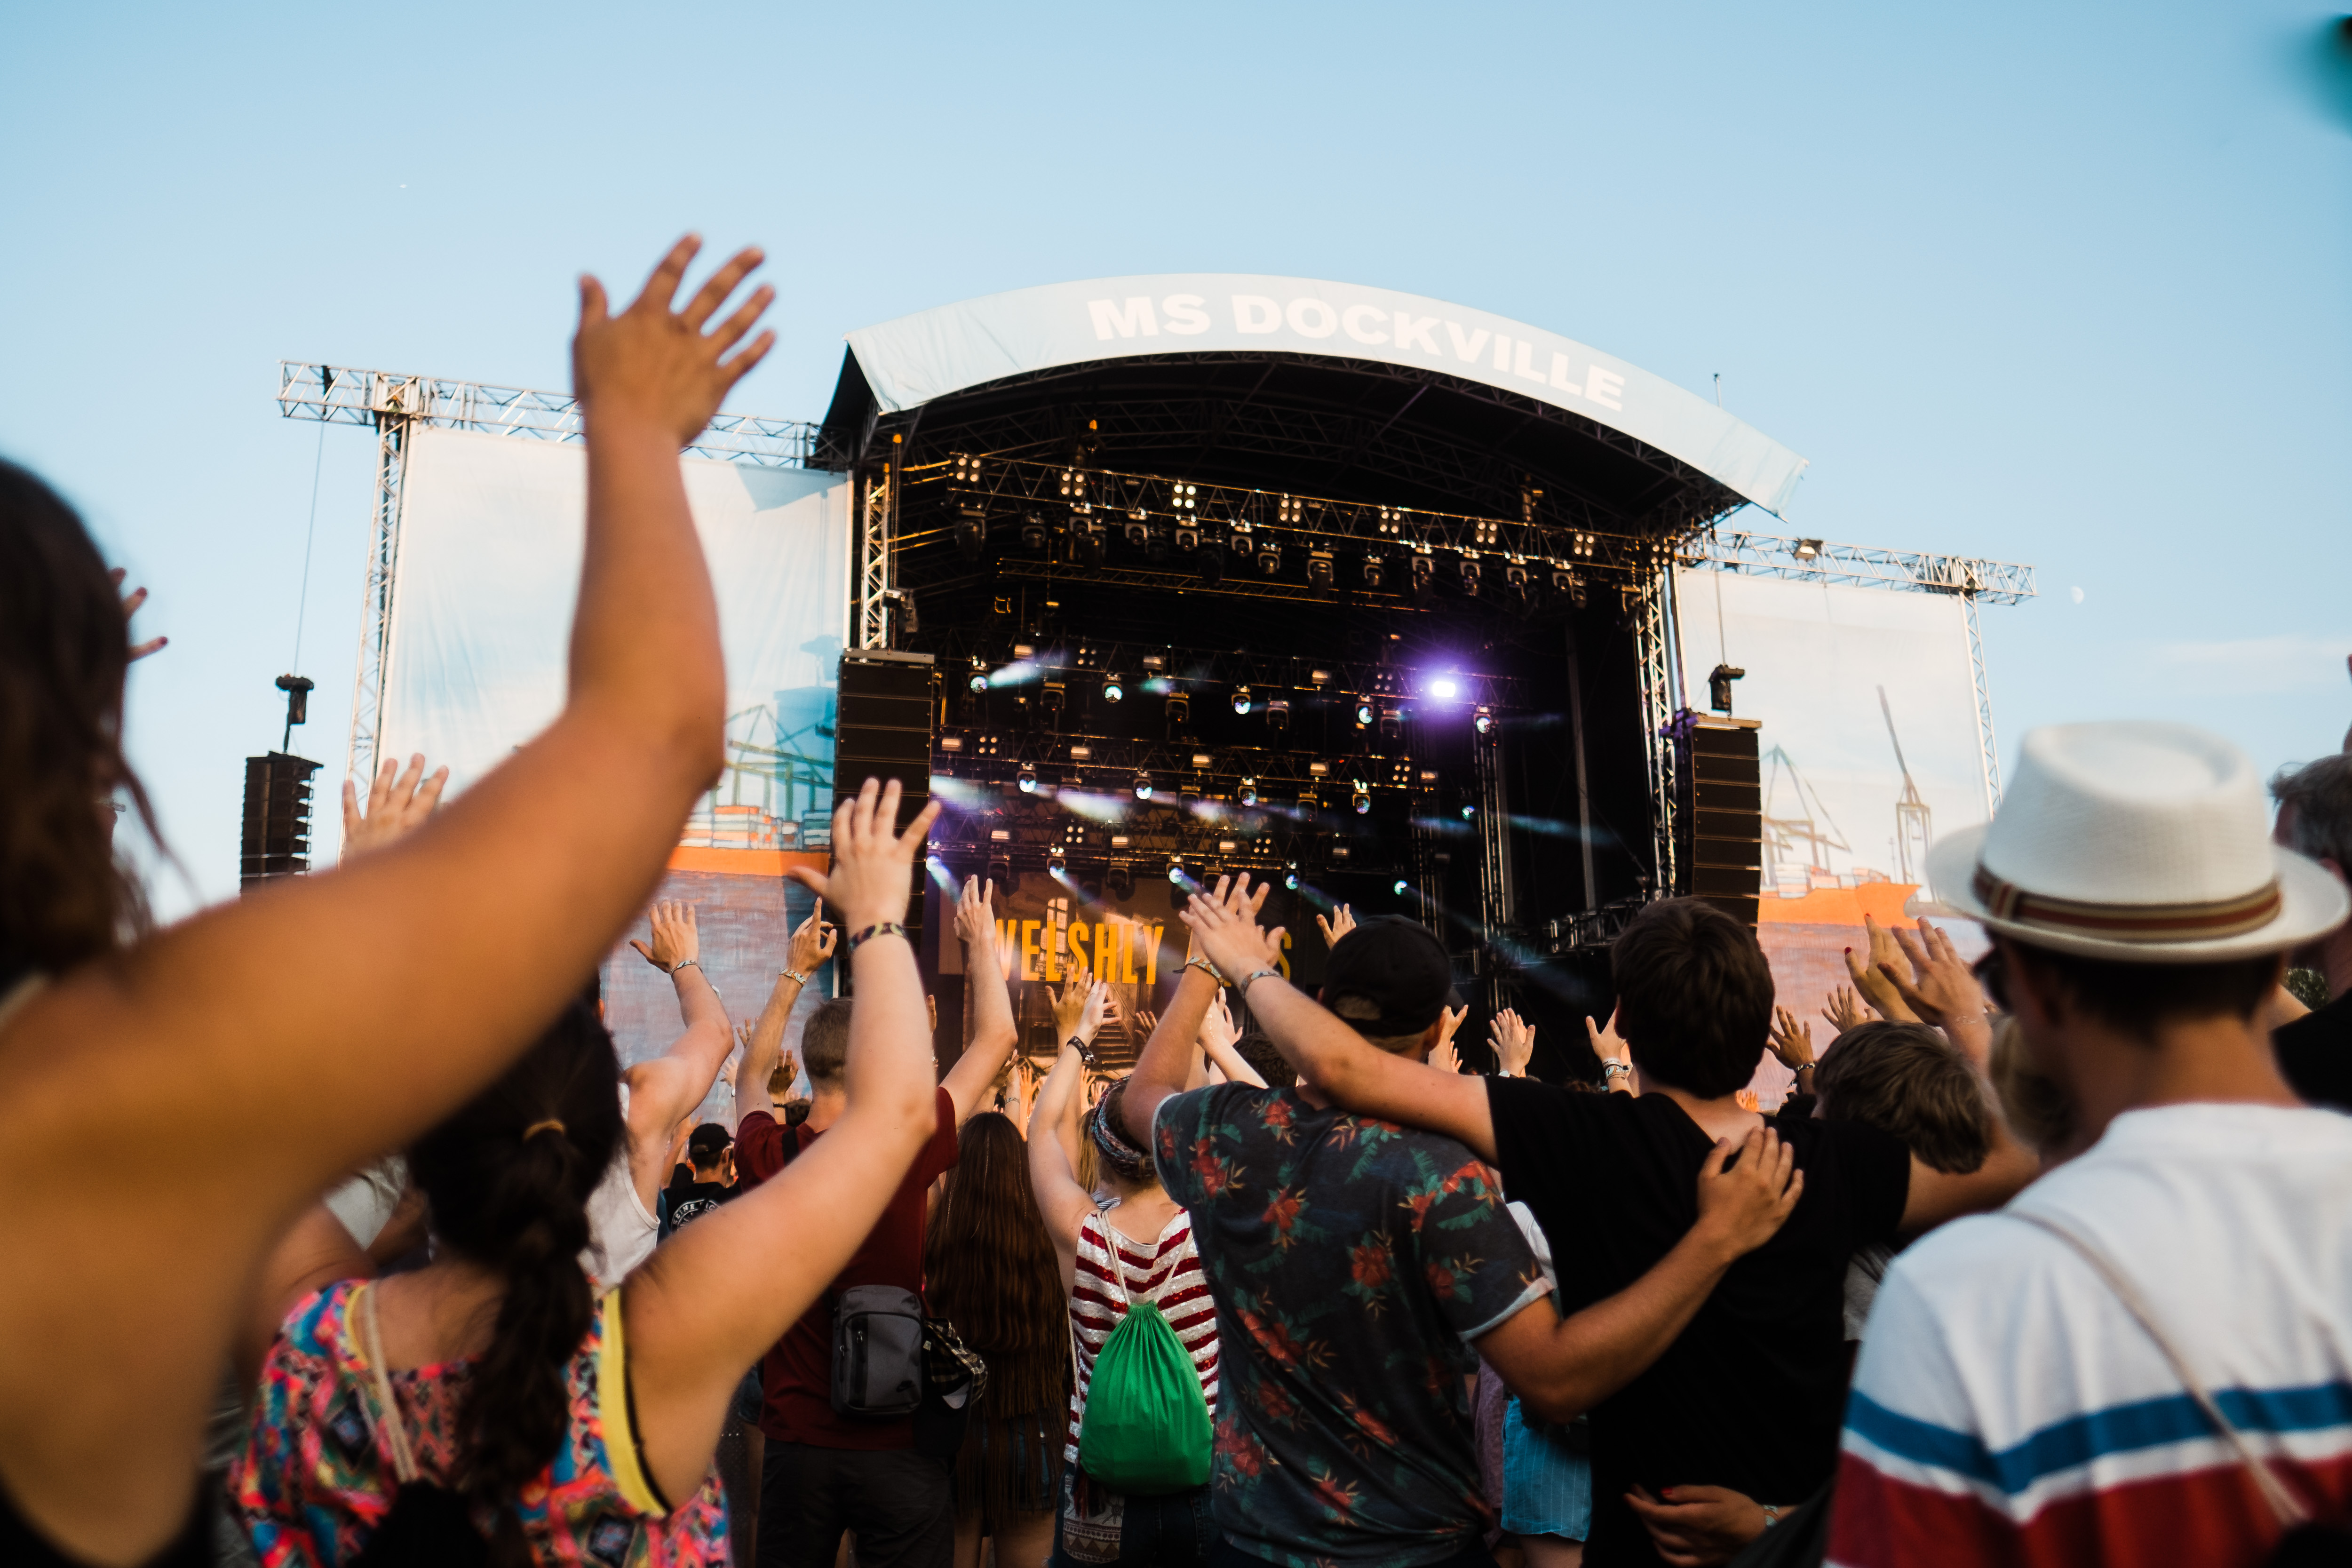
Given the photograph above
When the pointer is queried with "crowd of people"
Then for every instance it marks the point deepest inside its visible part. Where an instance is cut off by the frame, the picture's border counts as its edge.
(389, 1259)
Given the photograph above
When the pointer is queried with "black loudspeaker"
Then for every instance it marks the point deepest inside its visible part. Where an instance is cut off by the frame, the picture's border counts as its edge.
(1727, 840)
(277, 838)
(885, 717)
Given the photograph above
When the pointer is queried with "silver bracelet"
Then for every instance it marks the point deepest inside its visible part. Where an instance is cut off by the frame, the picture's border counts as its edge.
(686, 963)
(794, 975)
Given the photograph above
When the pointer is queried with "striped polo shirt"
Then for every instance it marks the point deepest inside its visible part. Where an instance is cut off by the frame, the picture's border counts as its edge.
(2008, 1408)
(1167, 1274)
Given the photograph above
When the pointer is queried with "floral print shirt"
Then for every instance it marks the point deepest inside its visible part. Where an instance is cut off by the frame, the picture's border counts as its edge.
(317, 1475)
(1351, 1261)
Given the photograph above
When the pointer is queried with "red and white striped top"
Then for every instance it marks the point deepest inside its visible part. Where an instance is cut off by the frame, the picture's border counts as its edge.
(1168, 1275)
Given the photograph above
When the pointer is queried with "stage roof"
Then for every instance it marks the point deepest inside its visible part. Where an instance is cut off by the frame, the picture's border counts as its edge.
(1581, 413)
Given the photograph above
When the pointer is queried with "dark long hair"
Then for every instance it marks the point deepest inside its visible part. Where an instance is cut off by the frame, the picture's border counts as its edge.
(988, 1268)
(518, 1205)
(64, 647)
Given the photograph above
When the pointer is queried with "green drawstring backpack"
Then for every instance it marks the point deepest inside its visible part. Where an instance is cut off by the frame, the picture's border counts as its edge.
(1146, 1429)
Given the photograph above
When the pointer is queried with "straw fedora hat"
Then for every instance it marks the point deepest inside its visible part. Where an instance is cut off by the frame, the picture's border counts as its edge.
(2139, 841)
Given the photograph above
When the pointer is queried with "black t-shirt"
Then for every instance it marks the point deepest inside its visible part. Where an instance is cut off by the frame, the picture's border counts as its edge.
(2315, 1054)
(694, 1200)
(1750, 1396)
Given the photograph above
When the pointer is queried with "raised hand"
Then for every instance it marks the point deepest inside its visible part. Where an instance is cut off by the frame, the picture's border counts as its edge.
(1080, 995)
(1217, 1028)
(1607, 1043)
(1514, 1040)
(1845, 1010)
(873, 864)
(1146, 1023)
(395, 806)
(1793, 1042)
(1342, 921)
(677, 940)
(131, 602)
(1225, 922)
(813, 942)
(657, 363)
(1741, 1207)
(1443, 1057)
(1450, 1020)
(1885, 1000)
(1941, 987)
(975, 919)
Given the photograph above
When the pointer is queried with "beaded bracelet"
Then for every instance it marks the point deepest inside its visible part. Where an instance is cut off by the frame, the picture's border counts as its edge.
(884, 927)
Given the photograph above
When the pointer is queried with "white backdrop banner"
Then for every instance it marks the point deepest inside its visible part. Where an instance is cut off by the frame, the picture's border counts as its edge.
(1821, 662)
(492, 534)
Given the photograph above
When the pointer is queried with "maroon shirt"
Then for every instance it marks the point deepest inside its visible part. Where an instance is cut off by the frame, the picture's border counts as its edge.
(796, 1375)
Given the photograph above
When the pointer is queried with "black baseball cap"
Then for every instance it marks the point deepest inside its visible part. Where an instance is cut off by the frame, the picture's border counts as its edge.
(1396, 964)
(707, 1142)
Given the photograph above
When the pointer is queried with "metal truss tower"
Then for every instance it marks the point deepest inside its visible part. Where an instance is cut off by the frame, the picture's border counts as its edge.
(1651, 604)
(395, 406)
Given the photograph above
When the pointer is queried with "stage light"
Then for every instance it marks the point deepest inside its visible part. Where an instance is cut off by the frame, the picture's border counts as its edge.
(1180, 707)
(1176, 870)
(1320, 676)
(1138, 534)
(1028, 780)
(1055, 861)
(1399, 886)
(1392, 725)
(1118, 840)
(1033, 533)
(1469, 577)
(1114, 688)
(1444, 688)
(951, 742)
(1372, 570)
(1023, 650)
(1241, 699)
(1424, 576)
(1053, 697)
(1228, 846)
(1202, 759)
(1318, 571)
(1000, 835)
(1469, 810)
(1269, 557)
(1277, 714)
(1155, 661)
(1119, 883)
(979, 681)
(971, 531)
(1087, 544)
(1290, 876)
(1155, 545)
(1143, 786)
(1364, 713)
(1361, 801)
(1319, 770)
(1188, 539)
(1081, 753)
(1248, 793)
(1516, 588)
(1212, 562)
(1807, 549)
(1482, 720)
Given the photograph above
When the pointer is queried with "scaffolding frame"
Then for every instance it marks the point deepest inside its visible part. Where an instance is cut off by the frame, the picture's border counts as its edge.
(393, 404)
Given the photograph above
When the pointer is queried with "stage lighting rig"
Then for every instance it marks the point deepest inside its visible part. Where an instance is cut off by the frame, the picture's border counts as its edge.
(978, 680)
(1052, 695)
(1469, 576)
(1564, 581)
(1425, 575)
(1278, 715)
(1028, 778)
(1119, 883)
(1290, 875)
(1176, 870)
(971, 530)
(1085, 542)
(1516, 588)
(1242, 699)
(1320, 570)
(1269, 558)
(1372, 570)
(1143, 786)
(1203, 762)
(1361, 799)
(1482, 720)
(1055, 861)
(1247, 795)
(1180, 709)
(1365, 713)
(1392, 724)
(1469, 810)
(1318, 677)
(1212, 559)
(1114, 688)
(1033, 531)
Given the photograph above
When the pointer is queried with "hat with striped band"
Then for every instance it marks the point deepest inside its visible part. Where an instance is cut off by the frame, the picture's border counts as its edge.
(2138, 841)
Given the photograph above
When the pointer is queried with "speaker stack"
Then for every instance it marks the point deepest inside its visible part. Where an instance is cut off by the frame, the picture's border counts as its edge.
(886, 715)
(1727, 842)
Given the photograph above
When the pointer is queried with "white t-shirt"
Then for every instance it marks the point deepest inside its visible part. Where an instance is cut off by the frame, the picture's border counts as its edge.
(620, 1233)
(2008, 1406)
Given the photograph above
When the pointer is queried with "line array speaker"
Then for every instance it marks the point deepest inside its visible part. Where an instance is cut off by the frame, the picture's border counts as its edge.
(886, 715)
(276, 837)
(1726, 815)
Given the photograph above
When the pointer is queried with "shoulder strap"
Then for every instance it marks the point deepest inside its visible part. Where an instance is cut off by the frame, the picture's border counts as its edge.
(404, 1462)
(2284, 1505)
(1117, 1268)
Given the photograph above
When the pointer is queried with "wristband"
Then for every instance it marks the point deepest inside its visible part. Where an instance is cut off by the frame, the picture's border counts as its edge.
(880, 927)
(1255, 975)
(1208, 966)
(1802, 1066)
(686, 963)
(794, 975)
(1085, 1052)
(1611, 1068)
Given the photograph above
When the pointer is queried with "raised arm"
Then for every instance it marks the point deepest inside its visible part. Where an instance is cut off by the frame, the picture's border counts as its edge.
(1053, 1133)
(726, 1288)
(1218, 1034)
(1166, 1064)
(250, 1055)
(1331, 1057)
(813, 943)
(1561, 1367)
(992, 1032)
(663, 1092)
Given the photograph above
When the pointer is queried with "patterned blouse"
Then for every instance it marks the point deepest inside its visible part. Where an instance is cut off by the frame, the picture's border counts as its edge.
(317, 1475)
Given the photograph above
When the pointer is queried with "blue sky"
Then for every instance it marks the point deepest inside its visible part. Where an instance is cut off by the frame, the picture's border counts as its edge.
(2061, 285)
